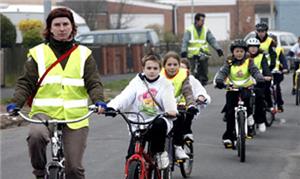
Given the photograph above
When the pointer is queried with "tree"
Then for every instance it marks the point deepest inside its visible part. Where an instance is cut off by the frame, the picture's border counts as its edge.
(8, 32)
(89, 10)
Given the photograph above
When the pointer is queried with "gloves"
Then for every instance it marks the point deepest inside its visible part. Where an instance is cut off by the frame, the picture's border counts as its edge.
(109, 111)
(183, 55)
(192, 110)
(220, 84)
(12, 109)
(220, 52)
(101, 104)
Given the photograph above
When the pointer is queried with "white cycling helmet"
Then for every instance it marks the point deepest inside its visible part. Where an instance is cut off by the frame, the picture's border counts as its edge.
(253, 42)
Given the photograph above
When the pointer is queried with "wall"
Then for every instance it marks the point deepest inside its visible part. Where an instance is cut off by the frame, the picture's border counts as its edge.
(288, 16)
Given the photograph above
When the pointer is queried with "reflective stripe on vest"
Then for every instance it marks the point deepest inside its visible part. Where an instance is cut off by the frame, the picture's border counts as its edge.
(62, 94)
(278, 51)
(257, 61)
(197, 41)
(177, 80)
(240, 75)
(265, 47)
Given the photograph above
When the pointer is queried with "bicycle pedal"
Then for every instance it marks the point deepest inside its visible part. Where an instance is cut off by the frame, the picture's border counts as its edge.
(179, 161)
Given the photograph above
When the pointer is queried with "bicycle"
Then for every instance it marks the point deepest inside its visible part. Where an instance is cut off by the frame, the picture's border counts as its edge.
(141, 165)
(203, 55)
(271, 112)
(55, 167)
(241, 123)
(186, 165)
(297, 83)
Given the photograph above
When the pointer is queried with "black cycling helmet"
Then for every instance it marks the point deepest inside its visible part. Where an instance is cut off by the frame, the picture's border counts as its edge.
(262, 26)
(238, 43)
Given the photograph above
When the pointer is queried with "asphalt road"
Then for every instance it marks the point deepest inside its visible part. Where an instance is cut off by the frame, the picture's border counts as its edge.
(274, 154)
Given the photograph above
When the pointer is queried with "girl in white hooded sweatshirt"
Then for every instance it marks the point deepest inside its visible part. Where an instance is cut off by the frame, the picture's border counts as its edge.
(136, 98)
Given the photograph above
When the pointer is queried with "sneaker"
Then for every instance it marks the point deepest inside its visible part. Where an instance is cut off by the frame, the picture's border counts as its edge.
(250, 120)
(280, 109)
(180, 153)
(189, 136)
(250, 134)
(162, 160)
(227, 143)
(262, 127)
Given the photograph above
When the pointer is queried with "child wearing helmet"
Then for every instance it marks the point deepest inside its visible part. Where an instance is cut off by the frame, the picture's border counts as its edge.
(261, 62)
(280, 68)
(266, 43)
(238, 69)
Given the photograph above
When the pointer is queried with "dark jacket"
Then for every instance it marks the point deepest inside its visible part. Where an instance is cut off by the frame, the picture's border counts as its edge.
(26, 83)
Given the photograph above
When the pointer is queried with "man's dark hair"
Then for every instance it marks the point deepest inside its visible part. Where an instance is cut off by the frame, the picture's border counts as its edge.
(198, 15)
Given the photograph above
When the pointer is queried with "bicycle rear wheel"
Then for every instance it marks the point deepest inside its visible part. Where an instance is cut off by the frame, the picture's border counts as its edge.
(134, 170)
(187, 165)
(241, 138)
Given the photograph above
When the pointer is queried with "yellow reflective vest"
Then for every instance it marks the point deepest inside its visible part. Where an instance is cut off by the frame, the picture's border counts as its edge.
(177, 80)
(278, 51)
(197, 41)
(62, 94)
(240, 75)
(257, 61)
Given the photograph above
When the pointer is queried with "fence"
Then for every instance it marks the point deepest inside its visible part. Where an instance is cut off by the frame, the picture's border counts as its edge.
(110, 59)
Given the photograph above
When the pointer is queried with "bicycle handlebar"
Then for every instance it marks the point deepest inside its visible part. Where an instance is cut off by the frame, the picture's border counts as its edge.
(92, 109)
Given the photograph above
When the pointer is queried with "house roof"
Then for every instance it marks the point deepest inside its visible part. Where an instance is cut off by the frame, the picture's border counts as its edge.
(145, 4)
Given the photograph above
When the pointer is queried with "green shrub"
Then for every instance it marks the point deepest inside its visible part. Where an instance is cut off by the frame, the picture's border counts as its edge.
(32, 38)
(8, 32)
(31, 30)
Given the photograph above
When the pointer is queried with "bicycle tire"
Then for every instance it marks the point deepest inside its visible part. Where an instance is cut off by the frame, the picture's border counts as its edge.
(163, 174)
(270, 117)
(241, 138)
(298, 91)
(186, 166)
(53, 173)
(134, 170)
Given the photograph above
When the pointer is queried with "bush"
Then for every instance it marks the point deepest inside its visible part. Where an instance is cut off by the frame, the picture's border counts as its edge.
(31, 30)
(29, 24)
(32, 38)
(8, 32)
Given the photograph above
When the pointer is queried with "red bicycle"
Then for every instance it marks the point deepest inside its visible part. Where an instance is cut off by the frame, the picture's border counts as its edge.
(141, 165)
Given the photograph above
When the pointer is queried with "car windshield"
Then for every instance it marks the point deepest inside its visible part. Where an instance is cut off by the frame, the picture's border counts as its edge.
(134, 38)
(287, 40)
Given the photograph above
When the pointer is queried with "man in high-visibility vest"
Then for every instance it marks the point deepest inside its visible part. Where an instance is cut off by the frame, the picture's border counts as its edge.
(194, 43)
(62, 95)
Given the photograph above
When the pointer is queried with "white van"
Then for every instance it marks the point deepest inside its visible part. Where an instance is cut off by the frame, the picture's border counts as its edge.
(120, 36)
(16, 13)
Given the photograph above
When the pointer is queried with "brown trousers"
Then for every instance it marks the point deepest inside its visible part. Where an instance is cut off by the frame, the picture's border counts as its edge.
(74, 142)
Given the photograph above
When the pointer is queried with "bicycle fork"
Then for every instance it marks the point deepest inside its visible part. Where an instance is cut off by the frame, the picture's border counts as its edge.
(237, 123)
(56, 151)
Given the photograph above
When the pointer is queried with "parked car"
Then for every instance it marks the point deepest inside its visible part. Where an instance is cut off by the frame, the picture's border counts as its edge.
(285, 39)
(120, 36)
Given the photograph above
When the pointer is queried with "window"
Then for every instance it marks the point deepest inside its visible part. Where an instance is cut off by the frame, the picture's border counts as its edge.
(86, 39)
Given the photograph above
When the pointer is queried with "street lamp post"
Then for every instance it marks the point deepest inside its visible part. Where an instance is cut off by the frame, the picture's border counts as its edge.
(47, 8)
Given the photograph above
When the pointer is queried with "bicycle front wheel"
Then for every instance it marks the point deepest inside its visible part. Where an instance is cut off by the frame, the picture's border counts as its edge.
(241, 138)
(53, 173)
(187, 165)
(134, 170)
